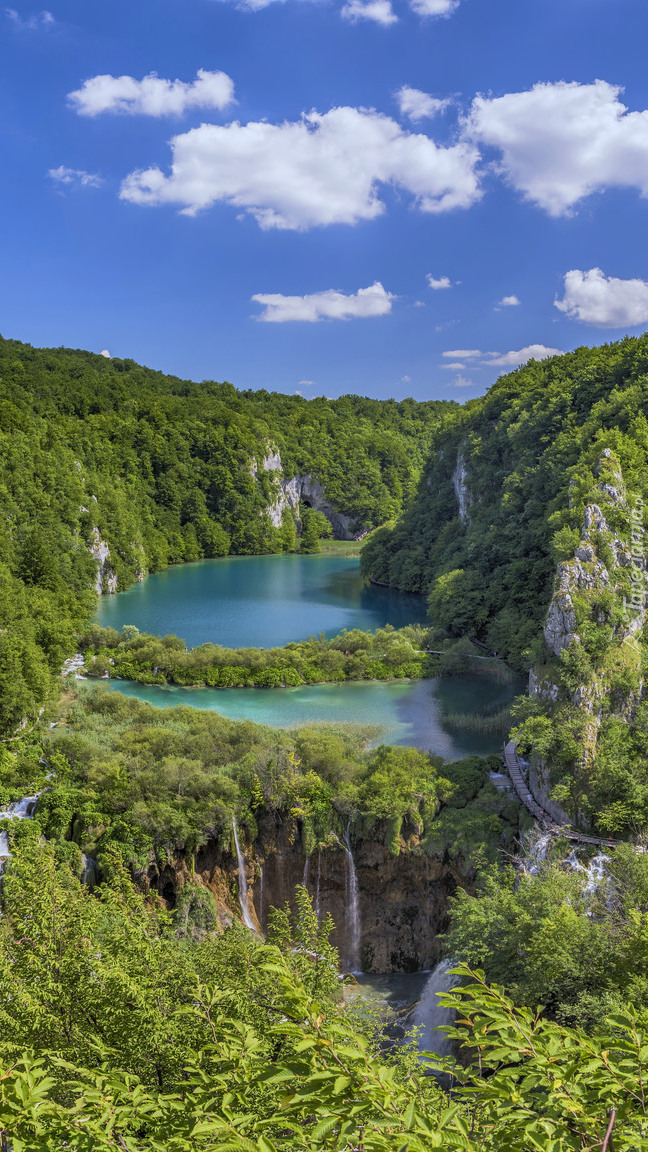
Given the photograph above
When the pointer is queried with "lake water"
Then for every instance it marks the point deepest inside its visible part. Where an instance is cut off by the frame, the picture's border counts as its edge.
(407, 712)
(267, 601)
(259, 601)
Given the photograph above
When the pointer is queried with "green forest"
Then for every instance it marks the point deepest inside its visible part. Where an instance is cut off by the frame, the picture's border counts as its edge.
(137, 1012)
(98, 453)
(553, 464)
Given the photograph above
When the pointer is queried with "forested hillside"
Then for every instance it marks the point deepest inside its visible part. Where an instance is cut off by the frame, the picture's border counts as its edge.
(528, 533)
(109, 468)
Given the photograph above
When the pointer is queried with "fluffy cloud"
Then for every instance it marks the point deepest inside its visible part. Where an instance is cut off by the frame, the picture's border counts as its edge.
(152, 96)
(434, 7)
(104, 352)
(77, 176)
(380, 11)
(508, 302)
(479, 359)
(462, 382)
(322, 169)
(418, 105)
(463, 353)
(438, 284)
(513, 359)
(329, 305)
(31, 23)
(561, 142)
(603, 300)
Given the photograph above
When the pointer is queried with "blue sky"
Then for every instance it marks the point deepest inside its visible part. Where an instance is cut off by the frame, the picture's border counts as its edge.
(390, 197)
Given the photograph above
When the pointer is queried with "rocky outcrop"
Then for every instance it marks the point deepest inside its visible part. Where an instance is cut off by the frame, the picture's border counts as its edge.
(460, 485)
(403, 900)
(603, 563)
(306, 489)
(106, 580)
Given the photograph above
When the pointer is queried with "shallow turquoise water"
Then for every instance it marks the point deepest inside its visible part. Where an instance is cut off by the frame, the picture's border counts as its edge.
(259, 601)
(408, 712)
(267, 601)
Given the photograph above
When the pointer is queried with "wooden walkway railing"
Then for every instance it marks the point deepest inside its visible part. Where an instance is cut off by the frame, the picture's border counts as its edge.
(514, 769)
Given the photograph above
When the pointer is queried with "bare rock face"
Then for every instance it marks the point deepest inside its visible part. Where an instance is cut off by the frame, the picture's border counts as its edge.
(106, 578)
(403, 901)
(460, 485)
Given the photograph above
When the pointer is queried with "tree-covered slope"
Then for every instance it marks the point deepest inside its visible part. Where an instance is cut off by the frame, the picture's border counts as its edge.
(105, 464)
(505, 487)
(528, 531)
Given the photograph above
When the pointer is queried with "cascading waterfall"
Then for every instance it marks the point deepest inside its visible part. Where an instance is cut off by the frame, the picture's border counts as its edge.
(354, 930)
(596, 874)
(536, 849)
(317, 887)
(19, 810)
(242, 882)
(429, 1014)
(261, 893)
(306, 872)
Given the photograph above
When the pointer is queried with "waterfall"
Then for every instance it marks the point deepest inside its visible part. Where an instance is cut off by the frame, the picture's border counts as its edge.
(317, 887)
(89, 872)
(353, 927)
(242, 882)
(306, 872)
(19, 810)
(4, 850)
(429, 1014)
(596, 874)
(537, 848)
(261, 894)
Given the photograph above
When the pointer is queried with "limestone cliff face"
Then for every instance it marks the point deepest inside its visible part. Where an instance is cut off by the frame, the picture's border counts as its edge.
(106, 578)
(461, 490)
(403, 900)
(306, 488)
(604, 584)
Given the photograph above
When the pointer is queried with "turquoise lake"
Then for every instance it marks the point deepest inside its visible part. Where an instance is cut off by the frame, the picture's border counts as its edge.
(267, 601)
(259, 601)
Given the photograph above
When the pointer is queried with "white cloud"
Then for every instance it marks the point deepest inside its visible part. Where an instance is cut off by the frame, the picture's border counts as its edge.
(481, 359)
(322, 169)
(561, 142)
(152, 96)
(438, 285)
(462, 382)
(307, 384)
(463, 353)
(507, 302)
(603, 300)
(380, 11)
(106, 353)
(418, 105)
(329, 305)
(513, 359)
(434, 7)
(77, 176)
(454, 366)
(33, 23)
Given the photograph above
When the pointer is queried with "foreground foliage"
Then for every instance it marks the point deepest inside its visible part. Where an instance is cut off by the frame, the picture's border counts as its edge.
(134, 1039)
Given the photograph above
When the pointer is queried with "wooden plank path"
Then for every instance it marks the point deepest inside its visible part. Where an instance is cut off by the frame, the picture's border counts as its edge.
(514, 769)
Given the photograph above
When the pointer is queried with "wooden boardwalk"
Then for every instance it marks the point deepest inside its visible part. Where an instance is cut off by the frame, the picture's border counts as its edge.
(515, 771)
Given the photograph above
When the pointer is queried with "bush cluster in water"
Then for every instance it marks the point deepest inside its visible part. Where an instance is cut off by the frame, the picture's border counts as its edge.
(387, 654)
